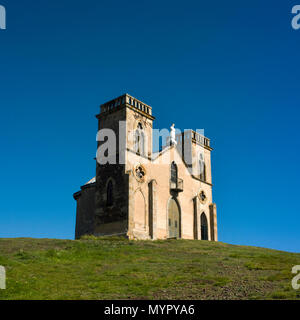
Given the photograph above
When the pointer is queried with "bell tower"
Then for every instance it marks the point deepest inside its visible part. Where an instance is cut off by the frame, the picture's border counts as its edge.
(125, 133)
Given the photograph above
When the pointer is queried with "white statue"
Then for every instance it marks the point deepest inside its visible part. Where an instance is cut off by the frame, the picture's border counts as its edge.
(173, 135)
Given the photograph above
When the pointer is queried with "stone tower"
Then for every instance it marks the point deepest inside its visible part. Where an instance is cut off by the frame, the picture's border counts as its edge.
(123, 115)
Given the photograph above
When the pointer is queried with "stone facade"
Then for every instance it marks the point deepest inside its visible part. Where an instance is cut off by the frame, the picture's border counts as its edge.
(146, 195)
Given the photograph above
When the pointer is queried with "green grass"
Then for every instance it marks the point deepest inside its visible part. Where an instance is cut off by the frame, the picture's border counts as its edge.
(116, 268)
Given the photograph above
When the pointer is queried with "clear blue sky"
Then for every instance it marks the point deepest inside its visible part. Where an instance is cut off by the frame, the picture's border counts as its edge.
(230, 67)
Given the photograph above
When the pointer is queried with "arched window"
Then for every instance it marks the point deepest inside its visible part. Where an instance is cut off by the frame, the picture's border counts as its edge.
(139, 140)
(204, 227)
(202, 167)
(174, 172)
(109, 194)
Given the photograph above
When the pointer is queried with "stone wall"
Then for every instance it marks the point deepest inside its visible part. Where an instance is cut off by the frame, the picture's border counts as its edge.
(159, 171)
(85, 212)
(111, 219)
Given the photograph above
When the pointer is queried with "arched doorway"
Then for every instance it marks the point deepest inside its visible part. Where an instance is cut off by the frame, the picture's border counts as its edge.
(204, 227)
(174, 219)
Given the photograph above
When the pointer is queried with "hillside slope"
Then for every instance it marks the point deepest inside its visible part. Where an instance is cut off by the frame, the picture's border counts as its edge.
(115, 268)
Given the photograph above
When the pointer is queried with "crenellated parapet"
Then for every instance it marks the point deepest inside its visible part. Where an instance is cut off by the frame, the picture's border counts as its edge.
(126, 100)
(191, 136)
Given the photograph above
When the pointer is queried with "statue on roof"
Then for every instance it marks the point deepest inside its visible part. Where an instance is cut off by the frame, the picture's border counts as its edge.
(173, 135)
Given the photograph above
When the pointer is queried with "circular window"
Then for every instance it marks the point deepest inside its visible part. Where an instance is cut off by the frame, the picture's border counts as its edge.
(140, 173)
(202, 197)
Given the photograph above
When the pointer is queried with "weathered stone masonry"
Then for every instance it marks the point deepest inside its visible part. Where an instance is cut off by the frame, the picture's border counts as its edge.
(151, 195)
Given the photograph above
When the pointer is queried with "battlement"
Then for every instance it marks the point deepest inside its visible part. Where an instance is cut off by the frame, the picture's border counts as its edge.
(193, 136)
(200, 139)
(126, 100)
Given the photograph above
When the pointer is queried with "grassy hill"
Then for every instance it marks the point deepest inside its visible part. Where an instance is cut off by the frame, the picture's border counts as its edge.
(116, 268)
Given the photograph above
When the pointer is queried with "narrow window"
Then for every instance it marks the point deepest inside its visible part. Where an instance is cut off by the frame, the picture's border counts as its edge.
(109, 194)
(202, 168)
(174, 172)
(204, 227)
(139, 140)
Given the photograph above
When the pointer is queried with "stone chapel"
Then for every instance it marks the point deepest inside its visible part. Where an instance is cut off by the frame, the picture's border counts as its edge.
(143, 194)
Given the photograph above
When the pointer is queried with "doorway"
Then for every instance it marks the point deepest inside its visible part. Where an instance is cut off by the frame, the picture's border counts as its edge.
(174, 224)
